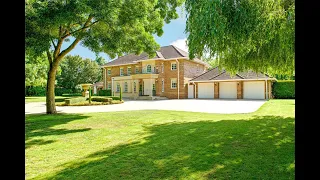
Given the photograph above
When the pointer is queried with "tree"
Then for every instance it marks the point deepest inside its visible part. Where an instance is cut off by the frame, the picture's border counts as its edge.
(36, 71)
(114, 27)
(100, 61)
(76, 70)
(243, 34)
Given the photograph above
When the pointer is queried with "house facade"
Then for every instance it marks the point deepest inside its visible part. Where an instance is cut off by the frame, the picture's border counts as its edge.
(165, 75)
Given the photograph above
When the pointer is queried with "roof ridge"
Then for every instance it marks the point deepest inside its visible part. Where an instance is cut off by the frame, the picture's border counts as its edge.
(203, 73)
(240, 76)
(178, 50)
(223, 71)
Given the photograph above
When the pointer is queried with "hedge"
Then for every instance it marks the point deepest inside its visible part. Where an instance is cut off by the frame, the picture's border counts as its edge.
(74, 100)
(41, 91)
(104, 92)
(60, 91)
(35, 91)
(101, 99)
(284, 89)
(113, 97)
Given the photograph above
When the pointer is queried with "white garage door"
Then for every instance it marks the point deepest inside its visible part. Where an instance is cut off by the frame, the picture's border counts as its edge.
(253, 90)
(228, 90)
(206, 90)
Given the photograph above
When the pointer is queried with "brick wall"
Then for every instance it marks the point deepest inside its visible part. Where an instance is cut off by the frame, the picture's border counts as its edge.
(216, 90)
(187, 70)
(240, 90)
(192, 69)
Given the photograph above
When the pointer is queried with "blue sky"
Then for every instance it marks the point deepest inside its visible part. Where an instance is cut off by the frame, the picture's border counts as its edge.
(173, 34)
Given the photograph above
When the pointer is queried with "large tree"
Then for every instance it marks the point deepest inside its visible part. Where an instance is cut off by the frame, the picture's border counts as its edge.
(36, 71)
(75, 70)
(100, 61)
(243, 34)
(114, 27)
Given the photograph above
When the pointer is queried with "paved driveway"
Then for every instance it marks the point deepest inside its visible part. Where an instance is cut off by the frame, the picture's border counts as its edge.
(194, 105)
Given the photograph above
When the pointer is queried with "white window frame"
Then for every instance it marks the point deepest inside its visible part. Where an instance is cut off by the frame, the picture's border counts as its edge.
(128, 73)
(150, 68)
(109, 85)
(121, 70)
(134, 87)
(137, 70)
(125, 87)
(109, 70)
(118, 87)
(175, 66)
(172, 81)
(162, 85)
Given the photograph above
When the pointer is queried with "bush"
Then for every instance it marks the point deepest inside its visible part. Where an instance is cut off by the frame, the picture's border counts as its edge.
(284, 89)
(35, 91)
(105, 92)
(117, 101)
(71, 95)
(74, 100)
(114, 97)
(41, 91)
(60, 91)
(101, 99)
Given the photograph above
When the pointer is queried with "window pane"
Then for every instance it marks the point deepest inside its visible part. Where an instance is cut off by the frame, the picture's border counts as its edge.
(173, 66)
(149, 68)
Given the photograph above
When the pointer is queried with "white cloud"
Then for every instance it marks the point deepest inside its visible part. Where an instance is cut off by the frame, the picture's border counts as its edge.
(181, 43)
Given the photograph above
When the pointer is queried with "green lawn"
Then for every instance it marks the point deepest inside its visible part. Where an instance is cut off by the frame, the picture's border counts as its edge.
(43, 99)
(163, 145)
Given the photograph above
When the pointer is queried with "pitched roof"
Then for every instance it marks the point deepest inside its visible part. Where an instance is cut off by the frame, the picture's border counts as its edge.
(216, 74)
(165, 52)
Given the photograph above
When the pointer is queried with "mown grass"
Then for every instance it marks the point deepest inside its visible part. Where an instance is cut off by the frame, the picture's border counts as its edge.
(163, 145)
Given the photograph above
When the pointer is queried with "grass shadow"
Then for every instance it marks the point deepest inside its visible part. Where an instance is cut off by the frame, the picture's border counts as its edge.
(37, 126)
(258, 148)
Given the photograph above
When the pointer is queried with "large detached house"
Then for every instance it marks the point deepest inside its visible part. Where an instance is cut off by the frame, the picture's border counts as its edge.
(173, 75)
(165, 75)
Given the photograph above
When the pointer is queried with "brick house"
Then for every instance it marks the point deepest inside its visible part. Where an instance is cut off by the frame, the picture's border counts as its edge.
(165, 75)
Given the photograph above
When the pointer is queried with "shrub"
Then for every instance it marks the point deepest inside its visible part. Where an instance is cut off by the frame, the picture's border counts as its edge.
(71, 95)
(284, 89)
(114, 97)
(116, 101)
(101, 99)
(74, 100)
(104, 92)
(35, 91)
(59, 91)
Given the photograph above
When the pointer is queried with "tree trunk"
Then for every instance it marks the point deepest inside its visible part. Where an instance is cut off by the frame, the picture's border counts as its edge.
(50, 96)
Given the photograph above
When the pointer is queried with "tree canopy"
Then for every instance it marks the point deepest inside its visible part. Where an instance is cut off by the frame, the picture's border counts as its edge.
(243, 34)
(113, 27)
(76, 70)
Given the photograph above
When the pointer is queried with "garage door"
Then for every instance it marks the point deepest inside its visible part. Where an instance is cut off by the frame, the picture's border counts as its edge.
(228, 90)
(206, 90)
(253, 90)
